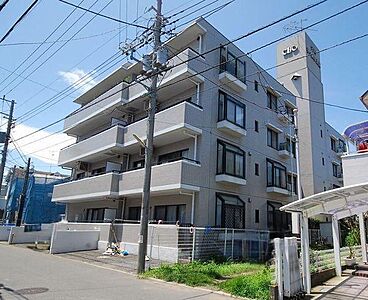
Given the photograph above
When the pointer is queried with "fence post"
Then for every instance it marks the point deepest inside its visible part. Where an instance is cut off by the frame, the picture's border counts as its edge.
(232, 245)
(193, 243)
(278, 266)
(225, 241)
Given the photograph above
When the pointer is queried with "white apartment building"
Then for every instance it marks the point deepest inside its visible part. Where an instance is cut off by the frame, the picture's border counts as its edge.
(321, 146)
(224, 153)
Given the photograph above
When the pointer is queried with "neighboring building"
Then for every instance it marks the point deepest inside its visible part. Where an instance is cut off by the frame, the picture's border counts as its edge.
(364, 99)
(38, 207)
(2, 201)
(321, 146)
(224, 153)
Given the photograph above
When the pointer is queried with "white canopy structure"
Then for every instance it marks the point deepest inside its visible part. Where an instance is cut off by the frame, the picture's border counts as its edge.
(338, 203)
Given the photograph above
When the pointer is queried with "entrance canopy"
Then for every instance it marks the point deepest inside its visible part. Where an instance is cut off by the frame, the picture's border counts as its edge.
(339, 203)
(342, 202)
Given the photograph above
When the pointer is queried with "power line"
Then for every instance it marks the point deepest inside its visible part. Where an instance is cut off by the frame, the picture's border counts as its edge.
(2, 5)
(19, 20)
(104, 16)
(35, 50)
(58, 49)
(211, 50)
(59, 41)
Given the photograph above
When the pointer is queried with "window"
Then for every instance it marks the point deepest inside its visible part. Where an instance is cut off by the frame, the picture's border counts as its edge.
(134, 213)
(256, 216)
(98, 171)
(230, 160)
(229, 63)
(277, 220)
(95, 214)
(256, 85)
(231, 110)
(80, 175)
(323, 161)
(333, 144)
(170, 213)
(276, 174)
(138, 164)
(335, 170)
(342, 146)
(271, 101)
(321, 132)
(173, 156)
(292, 183)
(272, 138)
(230, 211)
(256, 169)
(256, 128)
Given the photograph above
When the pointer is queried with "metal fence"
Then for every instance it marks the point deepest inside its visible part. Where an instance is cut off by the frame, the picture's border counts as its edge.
(193, 243)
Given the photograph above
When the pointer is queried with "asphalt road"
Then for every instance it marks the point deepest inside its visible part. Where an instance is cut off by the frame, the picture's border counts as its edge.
(27, 274)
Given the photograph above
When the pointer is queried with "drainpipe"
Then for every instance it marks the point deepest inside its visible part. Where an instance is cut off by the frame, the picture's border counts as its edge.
(295, 216)
(195, 137)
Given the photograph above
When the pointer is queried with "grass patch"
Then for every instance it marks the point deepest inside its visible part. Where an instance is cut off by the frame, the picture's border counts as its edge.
(242, 279)
(254, 286)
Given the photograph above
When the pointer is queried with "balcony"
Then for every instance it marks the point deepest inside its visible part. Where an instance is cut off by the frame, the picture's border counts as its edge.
(98, 147)
(172, 125)
(277, 190)
(88, 189)
(181, 77)
(284, 150)
(173, 177)
(230, 128)
(232, 82)
(96, 112)
(229, 179)
(285, 118)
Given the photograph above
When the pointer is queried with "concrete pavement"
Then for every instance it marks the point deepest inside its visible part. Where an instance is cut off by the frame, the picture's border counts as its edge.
(27, 274)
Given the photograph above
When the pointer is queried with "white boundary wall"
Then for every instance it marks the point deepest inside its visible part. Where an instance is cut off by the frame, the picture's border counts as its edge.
(18, 236)
(4, 233)
(71, 237)
(74, 240)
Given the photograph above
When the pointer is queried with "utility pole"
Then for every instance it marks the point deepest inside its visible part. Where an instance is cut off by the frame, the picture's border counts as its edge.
(6, 142)
(143, 231)
(22, 196)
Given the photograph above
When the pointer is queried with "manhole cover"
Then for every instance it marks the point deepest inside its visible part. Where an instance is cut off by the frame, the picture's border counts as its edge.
(32, 291)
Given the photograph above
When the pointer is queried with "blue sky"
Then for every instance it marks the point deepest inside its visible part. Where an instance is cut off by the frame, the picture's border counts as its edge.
(343, 68)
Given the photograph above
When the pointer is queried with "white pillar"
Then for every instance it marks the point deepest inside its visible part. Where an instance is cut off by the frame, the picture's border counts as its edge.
(195, 147)
(363, 241)
(305, 254)
(336, 244)
(279, 245)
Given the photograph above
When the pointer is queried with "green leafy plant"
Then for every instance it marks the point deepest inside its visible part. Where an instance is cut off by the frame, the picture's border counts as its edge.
(351, 240)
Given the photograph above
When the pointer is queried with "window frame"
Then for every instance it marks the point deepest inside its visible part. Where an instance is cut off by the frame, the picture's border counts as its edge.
(276, 166)
(272, 133)
(177, 209)
(219, 196)
(335, 170)
(223, 115)
(272, 101)
(224, 60)
(224, 161)
(256, 169)
(256, 126)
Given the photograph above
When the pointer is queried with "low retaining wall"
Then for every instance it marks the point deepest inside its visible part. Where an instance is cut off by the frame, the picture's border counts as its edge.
(19, 236)
(74, 240)
(4, 233)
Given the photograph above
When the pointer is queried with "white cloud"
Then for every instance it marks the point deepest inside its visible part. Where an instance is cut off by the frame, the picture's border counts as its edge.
(42, 145)
(72, 78)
